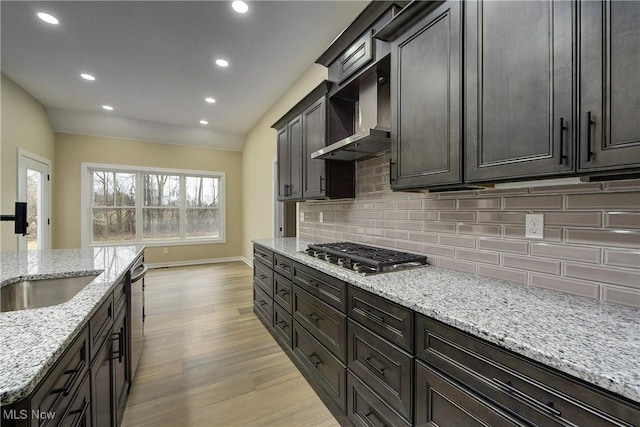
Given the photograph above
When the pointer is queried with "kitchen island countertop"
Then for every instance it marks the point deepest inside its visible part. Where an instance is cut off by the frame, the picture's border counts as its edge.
(594, 341)
(31, 341)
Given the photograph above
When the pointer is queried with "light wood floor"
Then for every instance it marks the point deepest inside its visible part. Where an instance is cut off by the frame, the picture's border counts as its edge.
(208, 361)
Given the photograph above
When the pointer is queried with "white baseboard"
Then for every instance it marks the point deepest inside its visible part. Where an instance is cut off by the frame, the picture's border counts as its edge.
(246, 261)
(195, 262)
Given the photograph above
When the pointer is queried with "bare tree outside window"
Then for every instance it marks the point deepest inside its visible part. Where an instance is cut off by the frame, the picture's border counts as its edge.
(202, 207)
(161, 210)
(114, 201)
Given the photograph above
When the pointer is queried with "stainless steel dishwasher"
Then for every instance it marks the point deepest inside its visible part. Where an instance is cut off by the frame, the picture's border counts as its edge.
(137, 314)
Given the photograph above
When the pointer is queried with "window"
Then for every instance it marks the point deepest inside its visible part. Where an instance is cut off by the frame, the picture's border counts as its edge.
(140, 205)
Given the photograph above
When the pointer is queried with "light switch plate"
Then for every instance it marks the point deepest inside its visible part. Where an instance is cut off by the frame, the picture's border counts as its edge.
(534, 226)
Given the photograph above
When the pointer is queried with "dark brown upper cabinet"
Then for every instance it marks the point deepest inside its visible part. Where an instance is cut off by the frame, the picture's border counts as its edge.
(426, 95)
(609, 123)
(290, 160)
(302, 131)
(519, 89)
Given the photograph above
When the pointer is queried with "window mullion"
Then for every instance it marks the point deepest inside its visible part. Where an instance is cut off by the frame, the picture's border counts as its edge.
(183, 208)
(139, 202)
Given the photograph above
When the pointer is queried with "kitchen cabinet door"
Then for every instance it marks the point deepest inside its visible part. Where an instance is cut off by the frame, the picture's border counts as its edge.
(295, 158)
(426, 81)
(609, 85)
(120, 361)
(519, 97)
(102, 387)
(315, 129)
(284, 169)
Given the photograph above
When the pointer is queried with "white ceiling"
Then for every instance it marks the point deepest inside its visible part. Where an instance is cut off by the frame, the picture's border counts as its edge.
(154, 62)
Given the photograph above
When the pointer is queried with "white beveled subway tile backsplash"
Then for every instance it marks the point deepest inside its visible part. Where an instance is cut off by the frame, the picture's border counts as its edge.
(591, 244)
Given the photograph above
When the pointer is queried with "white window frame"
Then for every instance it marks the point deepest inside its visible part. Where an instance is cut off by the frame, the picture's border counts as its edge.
(86, 199)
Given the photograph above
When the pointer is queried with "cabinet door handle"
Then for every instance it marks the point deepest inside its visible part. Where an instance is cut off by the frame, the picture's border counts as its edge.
(370, 361)
(372, 415)
(590, 122)
(119, 336)
(563, 127)
(314, 359)
(82, 411)
(391, 178)
(70, 385)
(314, 317)
(321, 181)
(506, 386)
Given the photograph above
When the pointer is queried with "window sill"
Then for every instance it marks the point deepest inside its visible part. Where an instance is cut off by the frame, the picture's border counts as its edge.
(158, 243)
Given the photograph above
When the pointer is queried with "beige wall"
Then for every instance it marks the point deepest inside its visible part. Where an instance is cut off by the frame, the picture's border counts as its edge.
(24, 124)
(71, 150)
(257, 161)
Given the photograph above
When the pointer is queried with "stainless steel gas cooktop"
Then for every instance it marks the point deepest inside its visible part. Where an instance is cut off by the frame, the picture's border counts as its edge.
(365, 259)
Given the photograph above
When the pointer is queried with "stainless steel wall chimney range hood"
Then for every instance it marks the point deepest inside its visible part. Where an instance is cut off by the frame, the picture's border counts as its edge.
(371, 116)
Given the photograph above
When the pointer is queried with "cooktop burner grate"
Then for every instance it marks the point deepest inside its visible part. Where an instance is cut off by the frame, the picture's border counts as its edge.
(364, 258)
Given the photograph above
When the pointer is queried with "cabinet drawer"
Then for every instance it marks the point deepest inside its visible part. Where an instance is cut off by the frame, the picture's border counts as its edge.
(355, 57)
(282, 324)
(283, 265)
(263, 276)
(382, 316)
(282, 291)
(263, 254)
(79, 411)
(383, 367)
(327, 371)
(366, 409)
(537, 393)
(263, 306)
(325, 323)
(327, 288)
(100, 326)
(56, 392)
(441, 402)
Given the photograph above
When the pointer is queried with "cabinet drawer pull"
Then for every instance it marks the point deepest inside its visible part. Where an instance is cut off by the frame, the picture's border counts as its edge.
(321, 181)
(262, 302)
(282, 292)
(590, 122)
(314, 283)
(314, 359)
(506, 386)
(70, 385)
(283, 324)
(314, 317)
(82, 411)
(379, 319)
(262, 276)
(370, 360)
(372, 415)
(284, 266)
(563, 127)
(118, 336)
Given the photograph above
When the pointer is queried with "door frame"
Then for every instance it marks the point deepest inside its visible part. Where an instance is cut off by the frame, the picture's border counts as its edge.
(22, 156)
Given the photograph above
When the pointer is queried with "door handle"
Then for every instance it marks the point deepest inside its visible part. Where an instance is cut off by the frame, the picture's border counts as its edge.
(563, 127)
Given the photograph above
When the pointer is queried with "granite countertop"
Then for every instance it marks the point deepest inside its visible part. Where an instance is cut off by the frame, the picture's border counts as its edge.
(32, 340)
(597, 342)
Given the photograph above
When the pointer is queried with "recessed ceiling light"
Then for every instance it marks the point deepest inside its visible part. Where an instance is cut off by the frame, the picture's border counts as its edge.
(210, 100)
(108, 107)
(222, 63)
(240, 6)
(49, 19)
(87, 76)
(204, 122)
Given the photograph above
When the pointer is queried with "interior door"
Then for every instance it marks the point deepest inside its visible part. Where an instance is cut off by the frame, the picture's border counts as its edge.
(35, 189)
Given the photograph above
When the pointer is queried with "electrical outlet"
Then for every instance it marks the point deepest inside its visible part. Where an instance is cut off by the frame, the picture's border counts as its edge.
(301, 216)
(321, 216)
(165, 251)
(534, 226)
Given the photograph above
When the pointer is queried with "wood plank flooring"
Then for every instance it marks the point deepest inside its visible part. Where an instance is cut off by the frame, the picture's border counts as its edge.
(208, 361)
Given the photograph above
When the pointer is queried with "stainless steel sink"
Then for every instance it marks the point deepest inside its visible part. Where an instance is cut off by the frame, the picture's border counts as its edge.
(41, 293)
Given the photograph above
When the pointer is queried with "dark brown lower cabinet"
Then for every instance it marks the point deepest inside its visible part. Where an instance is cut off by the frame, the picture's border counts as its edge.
(366, 409)
(102, 387)
(263, 306)
(324, 367)
(282, 324)
(79, 412)
(441, 402)
(120, 372)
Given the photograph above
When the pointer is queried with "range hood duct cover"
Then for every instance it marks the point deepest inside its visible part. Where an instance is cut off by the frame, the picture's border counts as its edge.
(372, 123)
